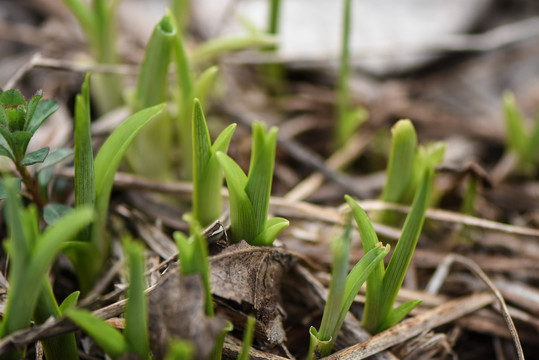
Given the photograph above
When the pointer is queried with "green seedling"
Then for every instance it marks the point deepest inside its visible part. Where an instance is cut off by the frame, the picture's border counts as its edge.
(407, 163)
(31, 255)
(207, 172)
(93, 183)
(249, 195)
(349, 118)
(248, 335)
(521, 139)
(181, 11)
(180, 350)
(384, 283)
(98, 23)
(342, 290)
(157, 137)
(19, 120)
(135, 339)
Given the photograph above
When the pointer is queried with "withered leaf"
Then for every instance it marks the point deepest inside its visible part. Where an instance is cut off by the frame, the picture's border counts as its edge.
(177, 311)
(251, 277)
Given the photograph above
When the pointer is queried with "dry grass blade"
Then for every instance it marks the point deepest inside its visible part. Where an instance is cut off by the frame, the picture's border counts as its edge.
(410, 328)
(441, 273)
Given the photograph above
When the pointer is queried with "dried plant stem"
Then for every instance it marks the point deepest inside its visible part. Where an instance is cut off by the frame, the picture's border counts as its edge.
(441, 274)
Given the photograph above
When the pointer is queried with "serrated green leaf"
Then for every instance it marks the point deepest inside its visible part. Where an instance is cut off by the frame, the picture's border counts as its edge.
(4, 121)
(399, 313)
(136, 313)
(16, 118)
(70, 301)
(107, 337)
(44, 109)
(53, 211)
(35, 157)
(12, 98)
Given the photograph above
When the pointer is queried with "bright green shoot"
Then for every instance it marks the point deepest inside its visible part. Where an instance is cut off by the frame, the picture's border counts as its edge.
(342, 290)
(193, 255)
(248, 335)
(407, 164)
(152, 87)
(93, 183)
(31, 254)
(384, 283)
(521, 140)
(207, 172)
(135, 339)
(98, 22)
(349, 119)
(249, 195)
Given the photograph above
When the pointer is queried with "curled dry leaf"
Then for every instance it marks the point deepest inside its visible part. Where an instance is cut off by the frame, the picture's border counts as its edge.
(250, 276)
(177, 311)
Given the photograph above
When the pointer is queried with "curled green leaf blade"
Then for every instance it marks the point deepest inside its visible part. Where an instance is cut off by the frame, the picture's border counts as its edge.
(399, 313)
(70, 301)
(273, 227)
(110, 339)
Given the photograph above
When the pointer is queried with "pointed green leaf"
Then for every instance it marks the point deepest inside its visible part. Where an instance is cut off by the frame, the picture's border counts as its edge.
(55, 157)
(32, 106)
(107, 337)
(404, 250)
(204, 83)
(248, 335)
(85, 191)
(70, 301)
(54, 211)
(44, 109)
(259, 180)
(242, 215)
(223, 140)
(180, 59)
(399, 313)
(35, 157)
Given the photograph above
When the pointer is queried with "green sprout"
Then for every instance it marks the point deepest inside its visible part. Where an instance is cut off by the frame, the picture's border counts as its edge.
(248, 335)
(93, 183)
(249, 195)
(135, 339)
(520, 139)
(342, 290)
(407, 164)
(384, 283)
(98, 23)
(349, 118)
(19, 120)
(31, 255)
(207, 172)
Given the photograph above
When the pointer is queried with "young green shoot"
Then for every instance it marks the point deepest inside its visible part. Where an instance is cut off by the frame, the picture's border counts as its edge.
(342, 290)
(135, 339)
(249, 194)
(150, 155)
(384, 283)
(207, 172)
(93, 183)
(520, 138)
(349, 119)
(248, 335)
(98, 23)
(193, 255)
(31, 255)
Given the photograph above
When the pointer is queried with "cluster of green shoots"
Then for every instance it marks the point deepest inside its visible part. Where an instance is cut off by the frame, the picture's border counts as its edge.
(521, 140)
